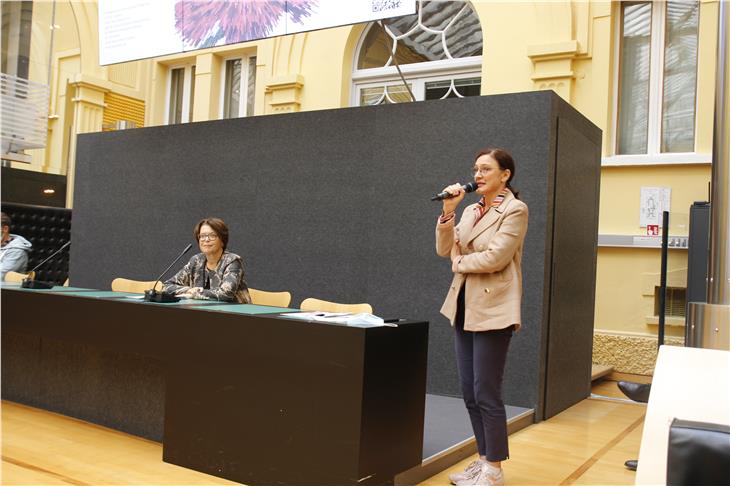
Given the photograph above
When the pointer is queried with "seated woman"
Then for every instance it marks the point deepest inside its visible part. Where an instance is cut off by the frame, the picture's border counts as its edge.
(214, 274)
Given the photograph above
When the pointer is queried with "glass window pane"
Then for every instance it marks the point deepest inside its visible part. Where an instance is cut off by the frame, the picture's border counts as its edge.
(371, 96)
(469, 86)
(232, 91)
(396, 93)
(436, 90)
(375, 50)
(251, 87)
(680, 77)
(633, 103)
(192, 93)
(177, 80)
(420, 46)
(464, 37)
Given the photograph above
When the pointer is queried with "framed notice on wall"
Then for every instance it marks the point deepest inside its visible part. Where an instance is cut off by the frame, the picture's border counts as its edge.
(139, 29)
(654, 201)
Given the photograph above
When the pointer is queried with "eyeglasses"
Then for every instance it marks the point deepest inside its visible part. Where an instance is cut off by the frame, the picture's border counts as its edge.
(208, 237)
(484, 171)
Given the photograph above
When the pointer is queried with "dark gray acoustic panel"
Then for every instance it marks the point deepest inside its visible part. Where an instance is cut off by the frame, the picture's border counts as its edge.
(573, 263)
(331, 204)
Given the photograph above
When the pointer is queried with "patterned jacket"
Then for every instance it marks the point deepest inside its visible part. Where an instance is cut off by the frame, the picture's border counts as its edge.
(226, 283)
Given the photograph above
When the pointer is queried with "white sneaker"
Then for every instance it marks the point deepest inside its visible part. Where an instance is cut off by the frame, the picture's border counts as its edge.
(471, 471)
(488, 476)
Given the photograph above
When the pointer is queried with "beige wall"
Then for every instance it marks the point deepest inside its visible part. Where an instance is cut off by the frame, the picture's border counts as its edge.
(568, 46)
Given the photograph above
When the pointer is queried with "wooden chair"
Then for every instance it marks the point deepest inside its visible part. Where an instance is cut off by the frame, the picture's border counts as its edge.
(274, 299)
(18, 277)
(311, 304)
(134, 286)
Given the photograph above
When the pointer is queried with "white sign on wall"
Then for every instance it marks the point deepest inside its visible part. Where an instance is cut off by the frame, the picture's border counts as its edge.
(654, 201)
(137, 29)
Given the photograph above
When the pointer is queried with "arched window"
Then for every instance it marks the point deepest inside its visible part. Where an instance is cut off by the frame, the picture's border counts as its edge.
(439, 51)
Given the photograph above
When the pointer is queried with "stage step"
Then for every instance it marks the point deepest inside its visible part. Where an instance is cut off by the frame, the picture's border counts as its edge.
(599, 371)
(448, 438)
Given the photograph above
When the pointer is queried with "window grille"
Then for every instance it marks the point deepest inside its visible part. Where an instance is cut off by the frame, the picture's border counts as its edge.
(675, 303)
(438, 48)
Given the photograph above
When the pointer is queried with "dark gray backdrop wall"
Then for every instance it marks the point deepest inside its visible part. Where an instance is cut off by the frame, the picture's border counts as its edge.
(335, 204)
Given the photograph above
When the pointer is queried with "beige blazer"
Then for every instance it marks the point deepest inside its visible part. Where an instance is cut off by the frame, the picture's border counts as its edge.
(490, 265)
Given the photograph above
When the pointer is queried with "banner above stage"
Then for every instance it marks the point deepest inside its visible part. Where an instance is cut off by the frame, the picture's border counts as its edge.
(137, 29)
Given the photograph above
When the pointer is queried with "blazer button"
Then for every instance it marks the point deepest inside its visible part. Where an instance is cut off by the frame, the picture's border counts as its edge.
(487, 290)
(453, 287)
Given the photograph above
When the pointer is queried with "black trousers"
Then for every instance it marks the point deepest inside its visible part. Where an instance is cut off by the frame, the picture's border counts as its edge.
(481, 358)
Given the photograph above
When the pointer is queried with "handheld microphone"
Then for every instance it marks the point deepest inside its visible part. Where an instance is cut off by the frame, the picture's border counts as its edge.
(468, 187)
(152, 295)
(29, 283)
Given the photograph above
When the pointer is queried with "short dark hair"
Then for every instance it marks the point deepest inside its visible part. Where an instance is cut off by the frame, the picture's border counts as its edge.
(5, 220)
(218, 225)
(505, 161)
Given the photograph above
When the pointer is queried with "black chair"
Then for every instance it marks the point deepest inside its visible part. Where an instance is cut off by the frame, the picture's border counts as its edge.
(698, 453)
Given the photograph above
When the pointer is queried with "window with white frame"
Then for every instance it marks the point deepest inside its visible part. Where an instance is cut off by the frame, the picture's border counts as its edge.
(181, 91)
(239, 87)
(439, 51)
(657, 77)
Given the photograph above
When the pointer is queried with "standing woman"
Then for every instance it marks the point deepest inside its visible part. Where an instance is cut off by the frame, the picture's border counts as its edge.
(483, 303)
(213, 274)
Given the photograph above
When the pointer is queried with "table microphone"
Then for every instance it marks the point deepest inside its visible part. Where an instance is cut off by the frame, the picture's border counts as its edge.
(468, 187)
(29, 283)
(153, 295)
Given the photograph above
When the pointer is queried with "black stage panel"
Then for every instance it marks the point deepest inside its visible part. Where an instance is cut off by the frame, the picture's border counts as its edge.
(335, 204)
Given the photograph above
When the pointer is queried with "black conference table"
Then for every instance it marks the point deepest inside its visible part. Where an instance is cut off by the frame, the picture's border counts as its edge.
(236, 391)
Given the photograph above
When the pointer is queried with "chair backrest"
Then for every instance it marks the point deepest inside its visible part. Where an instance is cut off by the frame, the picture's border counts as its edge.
(275, 299)
(134, 286)
(311, 304)
(18, 277)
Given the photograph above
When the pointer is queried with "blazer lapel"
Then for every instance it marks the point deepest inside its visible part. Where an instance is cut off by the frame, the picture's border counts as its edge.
(490, 218)
(466, 226)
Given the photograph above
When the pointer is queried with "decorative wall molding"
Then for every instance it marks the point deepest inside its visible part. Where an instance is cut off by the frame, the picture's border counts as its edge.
(552, 66)
(284, 93)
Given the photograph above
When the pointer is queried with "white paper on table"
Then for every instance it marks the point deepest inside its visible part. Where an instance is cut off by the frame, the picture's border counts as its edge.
(362, 319)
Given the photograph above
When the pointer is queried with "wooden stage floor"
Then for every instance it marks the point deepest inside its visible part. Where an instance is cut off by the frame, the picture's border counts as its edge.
(586, 444)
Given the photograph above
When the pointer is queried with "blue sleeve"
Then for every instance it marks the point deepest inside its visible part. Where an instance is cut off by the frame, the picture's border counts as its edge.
(14, 261)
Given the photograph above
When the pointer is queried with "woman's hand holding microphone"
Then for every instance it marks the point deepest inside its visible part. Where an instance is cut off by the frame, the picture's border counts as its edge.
(450, 204)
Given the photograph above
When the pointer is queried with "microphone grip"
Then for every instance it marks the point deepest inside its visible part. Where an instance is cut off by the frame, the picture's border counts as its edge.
(468, 187)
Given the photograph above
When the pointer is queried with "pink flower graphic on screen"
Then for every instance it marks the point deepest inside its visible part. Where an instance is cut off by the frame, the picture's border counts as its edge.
(205, 23)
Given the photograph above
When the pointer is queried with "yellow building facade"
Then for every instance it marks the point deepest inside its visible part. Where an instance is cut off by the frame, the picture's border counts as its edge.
(579, 49)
